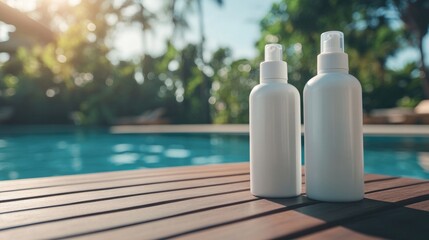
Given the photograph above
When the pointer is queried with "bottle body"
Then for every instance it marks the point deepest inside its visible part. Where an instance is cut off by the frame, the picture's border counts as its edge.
(333, 137)
(275, 140)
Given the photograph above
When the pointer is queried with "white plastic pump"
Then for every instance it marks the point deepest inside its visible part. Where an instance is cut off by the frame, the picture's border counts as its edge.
(332, 54)
(275, 130)
(273, 52)
(273, 68)
(331, 42)
(333, 126)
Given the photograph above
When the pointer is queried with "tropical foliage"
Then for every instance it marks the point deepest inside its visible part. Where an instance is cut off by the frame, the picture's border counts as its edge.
(72, 80)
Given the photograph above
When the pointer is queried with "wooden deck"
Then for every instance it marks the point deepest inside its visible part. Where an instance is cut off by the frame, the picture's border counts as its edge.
(203, 202)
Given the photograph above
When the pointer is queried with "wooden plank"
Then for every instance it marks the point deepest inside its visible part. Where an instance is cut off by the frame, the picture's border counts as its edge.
(124, 217)
(15, 219)
(85, 223)
(164, 228)
(408, 222)
(398, 223)
(183, 207)
(391, 184)
(423, 205)
(266, 227)
(37, 183)
(339, 233)
(13, 185)
(83, 197)
(161, 229)
(68, 189)
(301, 221)
(394, 195)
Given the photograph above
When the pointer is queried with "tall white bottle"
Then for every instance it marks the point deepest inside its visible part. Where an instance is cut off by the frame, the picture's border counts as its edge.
(333, 126)
(275, 135)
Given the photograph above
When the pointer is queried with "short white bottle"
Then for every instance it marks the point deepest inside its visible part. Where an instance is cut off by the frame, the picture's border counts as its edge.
(333, 139)
(275, 135)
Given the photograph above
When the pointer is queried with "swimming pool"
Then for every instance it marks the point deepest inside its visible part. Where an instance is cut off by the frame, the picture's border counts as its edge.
(26, 154)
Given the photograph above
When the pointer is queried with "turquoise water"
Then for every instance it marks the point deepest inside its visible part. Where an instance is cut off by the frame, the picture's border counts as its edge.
(26, 154)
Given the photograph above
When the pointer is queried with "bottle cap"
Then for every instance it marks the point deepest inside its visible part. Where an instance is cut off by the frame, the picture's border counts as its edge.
(273, 68)
(331, 42)
(273, 52)
(332, 56)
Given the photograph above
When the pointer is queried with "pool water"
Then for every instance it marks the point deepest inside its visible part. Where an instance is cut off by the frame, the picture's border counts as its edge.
(29, 155)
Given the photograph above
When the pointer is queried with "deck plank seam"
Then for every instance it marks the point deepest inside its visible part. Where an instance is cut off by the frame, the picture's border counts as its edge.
(287, 208)
(114, 180)
(381, 179)
(186, 199)
(398, 186)
(158, 219)
(313, 202)
(124, 186)
(125, 196)
(355, 218)
(123, 209)
(283, 209)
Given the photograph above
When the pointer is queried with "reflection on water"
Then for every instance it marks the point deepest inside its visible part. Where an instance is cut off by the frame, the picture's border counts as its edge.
(24, 155)
(38, 155)
(207, 160)
(397, 156)
(76, 164)
(151, 159)
(3, 143)
(177, 153)
(424, 160)
(124, 158)
(122, 147)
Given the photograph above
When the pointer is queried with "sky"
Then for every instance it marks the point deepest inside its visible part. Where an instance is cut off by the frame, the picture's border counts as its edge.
(224, 26)
(234, 25)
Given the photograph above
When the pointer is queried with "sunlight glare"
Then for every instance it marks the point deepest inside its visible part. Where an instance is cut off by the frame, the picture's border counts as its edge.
(73, 2)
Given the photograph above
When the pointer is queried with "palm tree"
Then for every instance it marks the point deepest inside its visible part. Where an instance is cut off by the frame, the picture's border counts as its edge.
(180, 24)
(415, 15)
(142, 16)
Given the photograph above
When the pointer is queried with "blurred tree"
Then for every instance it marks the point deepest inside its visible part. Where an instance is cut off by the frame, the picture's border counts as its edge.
(415, 16)
(179, 16)
(371, 39)
(141, 15)
(74, 78)
(27, 87)
(232, 83)
(74, 73)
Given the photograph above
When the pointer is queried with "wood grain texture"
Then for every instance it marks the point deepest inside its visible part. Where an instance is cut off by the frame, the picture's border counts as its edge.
(204, 202)
(114, 205)
(308, 219)
(408, 222)
(87, 187)
(92, 196)
(13, 185)
(91, 223)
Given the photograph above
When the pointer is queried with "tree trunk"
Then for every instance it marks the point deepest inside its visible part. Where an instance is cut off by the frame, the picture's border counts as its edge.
(424, 73)
(205, 90)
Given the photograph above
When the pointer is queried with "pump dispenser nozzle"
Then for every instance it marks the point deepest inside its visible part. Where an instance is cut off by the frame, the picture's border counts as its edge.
(332, 56)
(273, 68)
(332, 41)
(273, 52)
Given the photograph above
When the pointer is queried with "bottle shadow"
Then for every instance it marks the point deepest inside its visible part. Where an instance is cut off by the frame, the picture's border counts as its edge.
(405, 219)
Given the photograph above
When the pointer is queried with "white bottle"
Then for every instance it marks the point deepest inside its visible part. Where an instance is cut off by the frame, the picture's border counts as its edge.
(275, 135)
(333, 126)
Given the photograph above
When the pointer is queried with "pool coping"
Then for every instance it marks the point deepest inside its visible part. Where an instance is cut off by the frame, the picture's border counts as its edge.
(369, 130)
